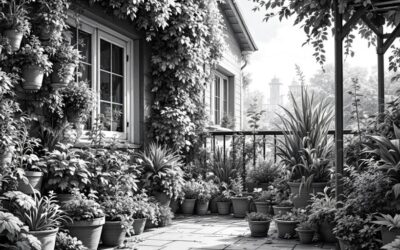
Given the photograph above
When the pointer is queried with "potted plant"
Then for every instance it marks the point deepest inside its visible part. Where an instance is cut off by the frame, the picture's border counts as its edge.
(87, 220)
(162, 173)
(215, 191)
(258, 224)
(64, 241)
(65, 61)
(283, 207)
(287, 223)
(203, 196)
(224, 201)
(190, 189)
(34, 64)
(165, 216)
(390, 227)
(306, 232)
(322, 214)
(14, 21)
(263, 174)
(66, 172)
(13, 232)
(118, 219)
(263, 201)
(141, 212)
(240, 203)
(42, 215)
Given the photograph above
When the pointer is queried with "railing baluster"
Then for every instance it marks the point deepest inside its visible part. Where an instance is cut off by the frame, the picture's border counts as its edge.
(264, 146)
(275, 148)
(233, 149)
(244, 161)
(254, 150)
(213, 147)
(224, 149)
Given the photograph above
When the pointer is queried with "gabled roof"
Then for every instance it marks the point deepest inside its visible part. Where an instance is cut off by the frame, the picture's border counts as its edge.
(236, 20)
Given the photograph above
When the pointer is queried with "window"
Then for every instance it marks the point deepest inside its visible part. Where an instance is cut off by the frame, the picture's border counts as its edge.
(220, 96)
(104, 67)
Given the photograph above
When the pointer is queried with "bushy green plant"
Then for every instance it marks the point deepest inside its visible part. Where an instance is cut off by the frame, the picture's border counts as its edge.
(64, 56)
(65, 241)
(14, 15)
(33, 53)
(82, 208)
(297, 215)
(116, 209)
(141, 208)
(165, 216)
(391, 222)
(322, 208)
(258, 217)
(161, 169)
(206, 190)
(224, 168)
(191, 189)
(265, 171)
(265, 196)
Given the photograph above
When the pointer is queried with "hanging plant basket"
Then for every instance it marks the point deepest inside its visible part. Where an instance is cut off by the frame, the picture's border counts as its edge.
(15, 38)
(33, 77)
(58, 81)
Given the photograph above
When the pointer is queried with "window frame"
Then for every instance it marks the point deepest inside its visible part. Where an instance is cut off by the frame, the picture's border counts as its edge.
(222, 101)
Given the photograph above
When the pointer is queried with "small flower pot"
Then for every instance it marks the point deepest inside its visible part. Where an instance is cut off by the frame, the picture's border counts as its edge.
(259, 228)
(58, 82)
(162, 198)
(33, 77)
(286, 229)
(301, 200)
(35, 180)
(344, 245)
(188, 206)
(281, 210)
(224, 207)
(305, 236)
(15, 38)
(113, 233)
(202, 207)
(240, 206)
(138, 225)
(389, 235)
(262, 207)
(47, 238)
(326, 232)
(89, 232)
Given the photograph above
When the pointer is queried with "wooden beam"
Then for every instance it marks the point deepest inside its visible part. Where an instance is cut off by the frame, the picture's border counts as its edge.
(371, 26)
(353, 21)
(390, 40)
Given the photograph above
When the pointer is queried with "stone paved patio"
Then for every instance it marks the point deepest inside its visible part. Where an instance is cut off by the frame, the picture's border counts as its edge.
(214, 232)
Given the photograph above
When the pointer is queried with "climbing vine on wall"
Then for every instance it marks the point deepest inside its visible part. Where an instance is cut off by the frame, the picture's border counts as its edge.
(186, 39)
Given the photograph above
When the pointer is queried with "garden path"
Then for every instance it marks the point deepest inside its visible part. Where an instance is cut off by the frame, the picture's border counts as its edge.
(214, 232)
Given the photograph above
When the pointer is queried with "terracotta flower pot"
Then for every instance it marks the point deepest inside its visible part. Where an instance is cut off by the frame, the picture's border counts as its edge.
(113, 234)
(15, 38)
(162, 198)
(286, 229)
(188, 206)
(35, 180)
(33, 77)
(301, 200)
(389, 235)
(326, 232)
(138, 225)
(281, 210)
(202, 207)
(224, 207)
(89, 232)
(61, 82)
(259, 228)
(240, 206)
(262, 207)
(47, 238)
(305, 236)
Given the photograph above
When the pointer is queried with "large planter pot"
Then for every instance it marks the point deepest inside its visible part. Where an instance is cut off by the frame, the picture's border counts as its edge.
(213, 205)
(305, 236)
(202, 207)
(281, 210)
(303, 198)
(389, 235)
(259, 228)
(345, 245)
(286, 229)
(224, 207)
(89, 232)
(33, 77)
(15, 38)
(138, 225)
(240, 206)
(262, 207)
(188, 206)
(162, 198)
(67, 77)
(326, 232)
(47, 238)
(62, 198)
(174, 205)
(113, 234)
(35, 180)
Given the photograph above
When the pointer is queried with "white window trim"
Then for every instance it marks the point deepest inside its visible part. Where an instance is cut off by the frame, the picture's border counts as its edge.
(99, 31)
(221, 99)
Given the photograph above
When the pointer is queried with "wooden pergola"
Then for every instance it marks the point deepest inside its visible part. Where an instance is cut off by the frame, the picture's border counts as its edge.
(384, 41)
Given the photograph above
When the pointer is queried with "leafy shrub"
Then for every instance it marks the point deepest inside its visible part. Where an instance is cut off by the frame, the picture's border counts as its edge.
(265, 172)
(117, 209)
(191, 189)
(166, 216)
(298, 215)
(33, 53)
(258, 217)
(224, 168)
(83, 209)
(65, 241)
(322, 208)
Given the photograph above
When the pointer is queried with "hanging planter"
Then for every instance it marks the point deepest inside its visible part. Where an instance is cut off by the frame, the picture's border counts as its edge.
(33, 77)
(65, 60)
(15, 38)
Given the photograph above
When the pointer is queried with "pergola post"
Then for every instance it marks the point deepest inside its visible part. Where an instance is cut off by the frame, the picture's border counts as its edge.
(381, 72)
(338, 99)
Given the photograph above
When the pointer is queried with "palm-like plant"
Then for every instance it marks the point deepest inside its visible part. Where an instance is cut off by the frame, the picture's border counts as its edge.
(161, 169)
(388, 221)
(306, 127)
(225, 169)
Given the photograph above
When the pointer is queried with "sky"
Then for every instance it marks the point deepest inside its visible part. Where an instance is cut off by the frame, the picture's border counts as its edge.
(280, 48)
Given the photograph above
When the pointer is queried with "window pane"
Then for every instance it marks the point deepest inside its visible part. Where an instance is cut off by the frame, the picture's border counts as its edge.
(85, 46)
(105, 110)
(85, 73)
(117, 118)
(117, 89)
(225, 97)
(117, 60)
(105, 88)
(217, 110)
(105, 55)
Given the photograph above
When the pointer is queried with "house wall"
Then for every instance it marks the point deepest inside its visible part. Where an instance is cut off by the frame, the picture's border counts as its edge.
(229, 65)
